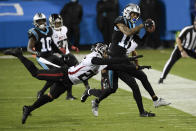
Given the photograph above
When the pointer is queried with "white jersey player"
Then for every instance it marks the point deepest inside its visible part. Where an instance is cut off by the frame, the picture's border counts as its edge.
(85, 69)
(60, 34)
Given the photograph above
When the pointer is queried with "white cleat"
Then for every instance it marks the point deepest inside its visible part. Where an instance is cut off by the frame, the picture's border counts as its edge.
(95, 106)
(161, 102)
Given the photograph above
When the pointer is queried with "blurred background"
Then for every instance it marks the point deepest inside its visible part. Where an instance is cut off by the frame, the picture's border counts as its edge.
(16, 18)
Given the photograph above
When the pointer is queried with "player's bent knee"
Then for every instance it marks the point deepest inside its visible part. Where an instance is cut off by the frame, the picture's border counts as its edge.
(51, 98)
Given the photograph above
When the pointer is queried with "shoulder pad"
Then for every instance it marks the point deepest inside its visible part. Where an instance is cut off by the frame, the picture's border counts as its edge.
(65, 28)
(119, 19)
(33, 32)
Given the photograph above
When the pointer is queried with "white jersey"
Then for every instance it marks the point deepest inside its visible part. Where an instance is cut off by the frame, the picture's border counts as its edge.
(132, 47)
(85, 69)
(60, 38)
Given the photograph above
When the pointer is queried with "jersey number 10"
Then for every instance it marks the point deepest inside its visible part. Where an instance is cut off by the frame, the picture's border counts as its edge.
(46, 44)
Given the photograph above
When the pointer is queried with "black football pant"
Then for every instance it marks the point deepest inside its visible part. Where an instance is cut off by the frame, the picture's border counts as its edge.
(56, 90)
(130, 69)
(56, 60)
(55, 75)
(175, 56)
(102, 94)
(70, 60)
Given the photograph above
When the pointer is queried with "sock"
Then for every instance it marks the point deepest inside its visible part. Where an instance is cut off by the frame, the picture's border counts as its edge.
(41, 101)
(95, 92)
(154, 98)
(138, 100)
(97, 100)
(69, 90)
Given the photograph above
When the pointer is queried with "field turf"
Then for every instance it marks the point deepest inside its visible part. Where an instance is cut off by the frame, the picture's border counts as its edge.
(117, 113)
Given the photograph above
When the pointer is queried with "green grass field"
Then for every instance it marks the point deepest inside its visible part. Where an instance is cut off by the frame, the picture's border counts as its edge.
(117, 113)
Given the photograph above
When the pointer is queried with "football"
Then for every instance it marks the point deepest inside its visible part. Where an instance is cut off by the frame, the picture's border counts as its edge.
(152, 28)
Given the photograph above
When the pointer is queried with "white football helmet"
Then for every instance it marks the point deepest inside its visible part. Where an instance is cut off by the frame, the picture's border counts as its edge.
(99, 48)
(55, 18)
(129, 9)
(37, 18)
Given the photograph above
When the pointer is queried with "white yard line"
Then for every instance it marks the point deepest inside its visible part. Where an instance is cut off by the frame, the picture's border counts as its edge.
(179, 91)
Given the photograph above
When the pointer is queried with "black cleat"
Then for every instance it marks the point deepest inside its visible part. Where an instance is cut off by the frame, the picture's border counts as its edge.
(85, 95)
(15, 52)
(71, 98)
(39, 94)
(26, 113)
(147, 114)
(160, 81)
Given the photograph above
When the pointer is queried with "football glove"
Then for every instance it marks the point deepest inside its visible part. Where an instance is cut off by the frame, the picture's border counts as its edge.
(148, 23)
(75, 48)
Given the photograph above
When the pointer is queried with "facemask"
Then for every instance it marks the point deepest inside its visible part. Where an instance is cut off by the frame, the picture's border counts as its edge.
(42, 26)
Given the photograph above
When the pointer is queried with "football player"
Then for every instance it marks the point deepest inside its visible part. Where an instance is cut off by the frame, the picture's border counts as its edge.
(124, 30)
(63, 76)
(41, 44)
(59, 37)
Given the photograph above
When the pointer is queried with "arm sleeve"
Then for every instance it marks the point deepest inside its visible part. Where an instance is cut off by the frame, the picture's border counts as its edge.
(108, 61)
(32, 33)
(122, 67)
(118, 20)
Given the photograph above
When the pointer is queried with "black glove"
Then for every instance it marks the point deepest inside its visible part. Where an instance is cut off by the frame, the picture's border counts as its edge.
(148, 23)
(135, 57)
(143, 67)
(38, 54)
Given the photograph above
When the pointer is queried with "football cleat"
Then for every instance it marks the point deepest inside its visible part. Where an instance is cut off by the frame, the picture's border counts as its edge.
(71, 98)
(147, 114)
(95, 106)
(85, 95)
(161, 102)
(26, 113)
(160, 81)
(15, 52)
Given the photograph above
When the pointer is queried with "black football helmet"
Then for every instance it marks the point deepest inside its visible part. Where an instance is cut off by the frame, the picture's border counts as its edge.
(99, 48)
(54, 19)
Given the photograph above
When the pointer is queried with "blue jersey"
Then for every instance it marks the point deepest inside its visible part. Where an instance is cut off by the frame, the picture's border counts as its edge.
(43, 39)
(120, 41)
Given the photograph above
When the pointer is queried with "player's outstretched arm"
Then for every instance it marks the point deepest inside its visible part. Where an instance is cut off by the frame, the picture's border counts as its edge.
(109, 61)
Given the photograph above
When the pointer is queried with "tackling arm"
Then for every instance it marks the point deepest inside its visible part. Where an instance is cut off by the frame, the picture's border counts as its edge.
(110, 61)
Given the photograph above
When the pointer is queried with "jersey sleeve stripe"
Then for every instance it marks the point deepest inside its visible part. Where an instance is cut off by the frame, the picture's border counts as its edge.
(71, 73)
